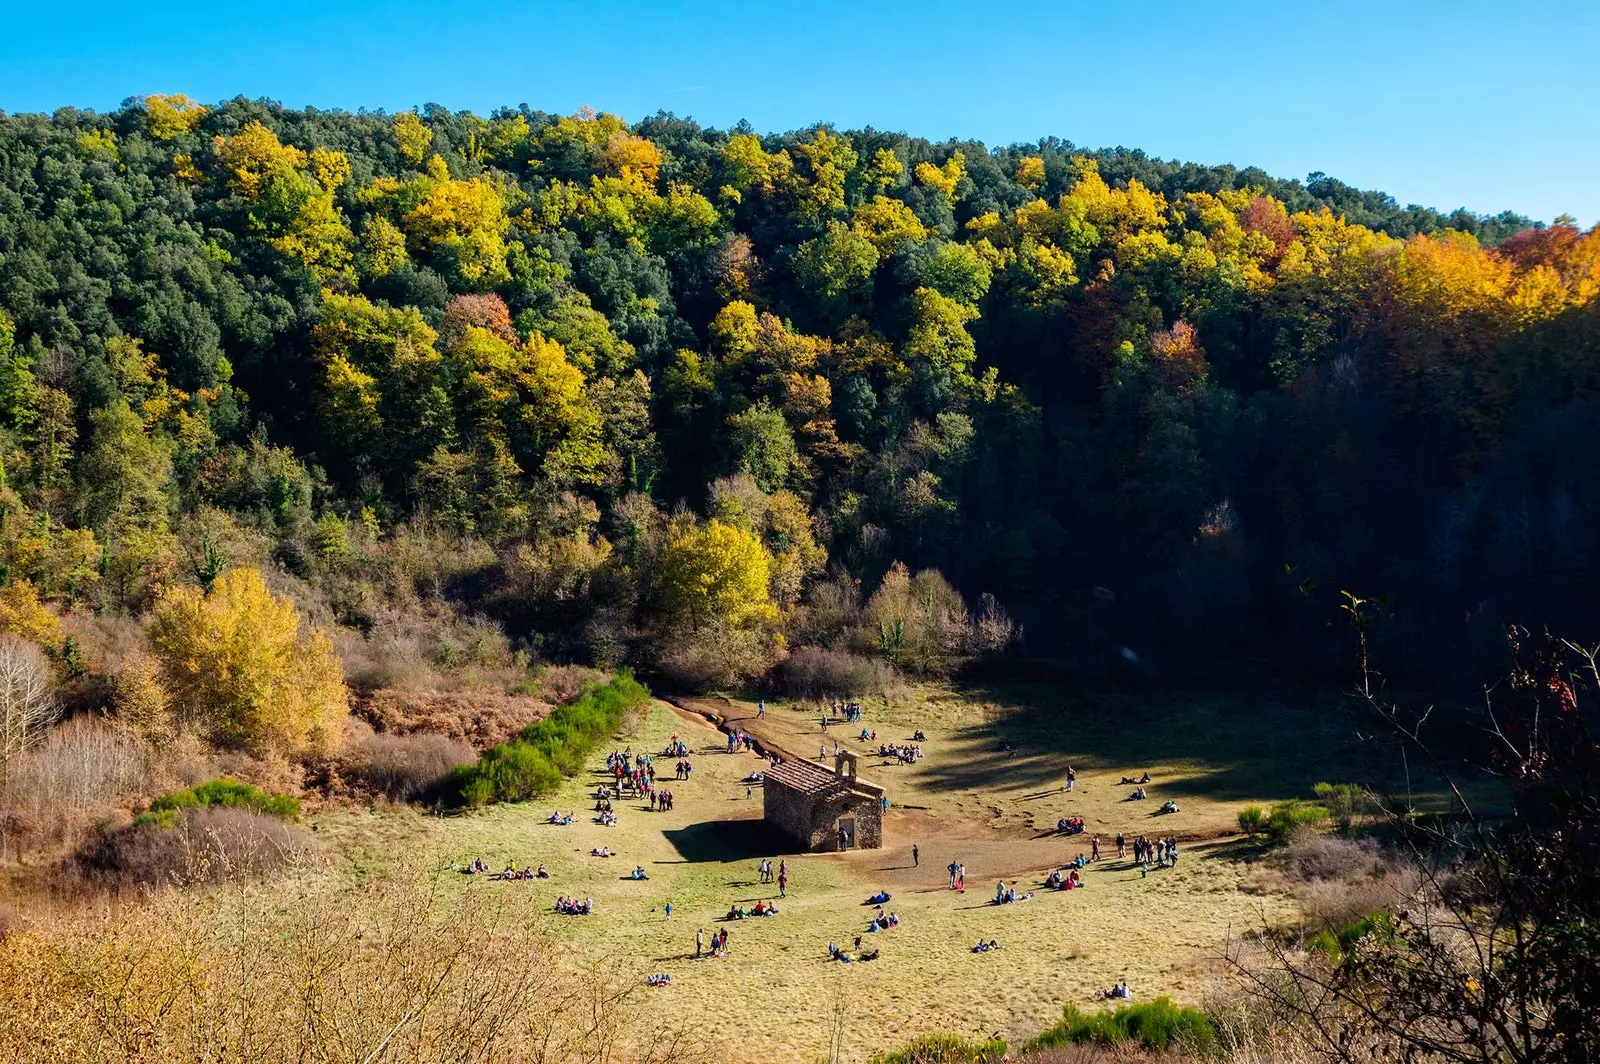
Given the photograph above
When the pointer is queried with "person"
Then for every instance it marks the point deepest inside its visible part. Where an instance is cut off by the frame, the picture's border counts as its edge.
(747, 794)
(783, 884)
(543, 872)
(1094, 850)
(915, 858)
(1122, 845)
(669, 910)
(699, 942)
(952, 875)
(761, 709)
(1072, 777)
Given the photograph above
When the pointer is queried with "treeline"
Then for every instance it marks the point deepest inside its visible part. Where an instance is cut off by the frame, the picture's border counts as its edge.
(694, 398)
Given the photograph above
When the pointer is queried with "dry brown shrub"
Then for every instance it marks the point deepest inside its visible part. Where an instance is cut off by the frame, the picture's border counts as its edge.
(402, 768)
(313, 968)
(205, 846)
(429, 650)
(1313, 856)
(816, 672)
(10, 922)
(561, 684)
(480, 720)
(84, 770)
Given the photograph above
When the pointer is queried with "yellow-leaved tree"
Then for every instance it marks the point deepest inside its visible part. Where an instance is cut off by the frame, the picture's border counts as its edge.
(171, 116)
(243, 667)
(716, 573)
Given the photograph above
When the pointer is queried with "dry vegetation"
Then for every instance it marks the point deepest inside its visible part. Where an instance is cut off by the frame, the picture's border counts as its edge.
(396, 969)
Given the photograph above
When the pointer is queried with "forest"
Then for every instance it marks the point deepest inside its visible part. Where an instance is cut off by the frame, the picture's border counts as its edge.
(724, 405)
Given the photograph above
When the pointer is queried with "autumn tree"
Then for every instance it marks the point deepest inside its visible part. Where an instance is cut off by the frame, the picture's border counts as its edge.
(715, 573)
(245, 669)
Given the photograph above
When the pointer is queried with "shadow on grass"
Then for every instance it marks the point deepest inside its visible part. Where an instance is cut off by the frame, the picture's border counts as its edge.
(728, 840)
(1231, 748)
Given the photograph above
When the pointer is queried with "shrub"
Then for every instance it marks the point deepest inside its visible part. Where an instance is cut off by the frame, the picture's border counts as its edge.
(816, 672)
(169, 808)
(1252, 818)
(205, 845)
(1313, 856)
(80, 772)
(945, 1049)
(480, 720)
(1153, 1025)
(547, 752)
(1288, 817)
(1343, 801)
(404, 767)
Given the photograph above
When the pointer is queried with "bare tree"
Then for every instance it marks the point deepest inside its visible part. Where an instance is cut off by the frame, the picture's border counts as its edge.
(1491, 958)
(27, 706)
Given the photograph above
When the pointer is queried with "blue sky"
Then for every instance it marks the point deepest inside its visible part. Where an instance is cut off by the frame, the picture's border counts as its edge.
(1487, 106)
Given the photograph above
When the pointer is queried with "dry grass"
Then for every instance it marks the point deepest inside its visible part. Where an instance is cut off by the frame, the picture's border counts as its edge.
(206, 846)
(1162, 932)
(396, 969)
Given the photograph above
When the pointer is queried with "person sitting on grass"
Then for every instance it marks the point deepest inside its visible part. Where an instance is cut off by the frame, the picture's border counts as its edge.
(660, 979)
(543, 872)
(639, 872)
(918, 737)
(1138, 795)
(1169, 806)
(601, 851)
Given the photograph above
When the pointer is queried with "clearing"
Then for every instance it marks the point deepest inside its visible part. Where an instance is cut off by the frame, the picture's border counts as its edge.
(777, 996)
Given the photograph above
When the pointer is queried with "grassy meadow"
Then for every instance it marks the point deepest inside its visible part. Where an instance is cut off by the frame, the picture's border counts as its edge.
(777, 996)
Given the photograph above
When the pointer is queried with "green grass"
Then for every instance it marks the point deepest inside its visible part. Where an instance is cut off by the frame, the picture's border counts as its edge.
(1155, 1025)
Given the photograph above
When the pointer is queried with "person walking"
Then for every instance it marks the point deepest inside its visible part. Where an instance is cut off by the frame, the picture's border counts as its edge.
(915, 855)
(761, 709)
(783, 884)
(1094, 849)
(699, 943)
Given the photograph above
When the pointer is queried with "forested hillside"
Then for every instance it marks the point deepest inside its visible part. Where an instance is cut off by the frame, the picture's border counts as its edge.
(685, 397)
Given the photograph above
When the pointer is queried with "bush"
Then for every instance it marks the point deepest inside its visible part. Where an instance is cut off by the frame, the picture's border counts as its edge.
(945, 1049)
(546, 753)
(1252, 819)
(169, 808)
(480, 720)
(1153, 1025)
(1286, 818)
(82, 771)
(404, 767)
(1343, 801)
(205, 845)
(1314, 856)
(816, 672)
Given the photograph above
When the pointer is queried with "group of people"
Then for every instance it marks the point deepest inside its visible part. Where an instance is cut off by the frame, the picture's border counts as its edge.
(1163, 851)
(560, 818)
(1129, 780)
(1070, 825)
(1004, 895)
(1072, 880)
(739, 739)
(766, 873)
(882, 921)
(850, 711)
(658, 979)
(958, 876)
(719, 943)
(676, 748)
(660, 801)
(760, 908)
(638, 873)
(1119, 992)
(682, 770)
(606, 819)
(574, 907)
(905, 753)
